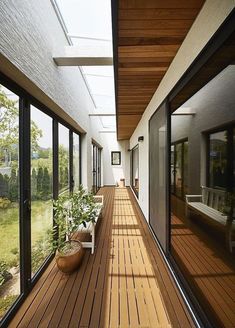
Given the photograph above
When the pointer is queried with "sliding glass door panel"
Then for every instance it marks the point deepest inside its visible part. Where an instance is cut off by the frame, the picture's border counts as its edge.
(10, 254)
(41, 186)
(158, 169)
(63, 160)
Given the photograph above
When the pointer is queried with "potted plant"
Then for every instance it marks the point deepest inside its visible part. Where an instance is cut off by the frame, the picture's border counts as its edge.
(69, 212)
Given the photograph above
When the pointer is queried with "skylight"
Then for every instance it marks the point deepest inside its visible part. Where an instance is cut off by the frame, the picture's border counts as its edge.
(89, 23)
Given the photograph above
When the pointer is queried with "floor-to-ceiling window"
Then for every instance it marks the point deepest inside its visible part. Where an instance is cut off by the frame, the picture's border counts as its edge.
(158, 218)
(9, 200)
(135, 169)
(41, 185)
(64, 186)
(31, 141)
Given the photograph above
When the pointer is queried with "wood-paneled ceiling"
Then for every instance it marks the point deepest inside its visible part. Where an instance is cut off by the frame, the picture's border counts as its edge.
(148, 36)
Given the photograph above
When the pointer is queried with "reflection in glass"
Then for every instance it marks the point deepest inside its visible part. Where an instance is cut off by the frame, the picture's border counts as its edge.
(203, 224)
(9, 200)
(41, 186)
(218, 159)
(178, 169)
(76, 161)
(63, 159)
(185, 166)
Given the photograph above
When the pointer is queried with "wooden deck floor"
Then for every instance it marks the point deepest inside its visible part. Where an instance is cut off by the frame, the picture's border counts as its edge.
(124, 284)
(209, 270)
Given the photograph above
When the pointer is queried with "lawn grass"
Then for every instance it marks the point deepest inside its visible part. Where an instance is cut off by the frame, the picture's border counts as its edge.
(9, 227)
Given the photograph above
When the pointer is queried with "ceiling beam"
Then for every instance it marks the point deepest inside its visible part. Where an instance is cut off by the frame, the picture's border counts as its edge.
(84, 56)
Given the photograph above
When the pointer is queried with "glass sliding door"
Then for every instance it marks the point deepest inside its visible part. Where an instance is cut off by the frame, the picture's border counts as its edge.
(96, 168)
(41, 186)
(158, 169)
(39, 158)
(9, 200)
(63, 159)
(203, 223)
(135, 169)
(76, 161)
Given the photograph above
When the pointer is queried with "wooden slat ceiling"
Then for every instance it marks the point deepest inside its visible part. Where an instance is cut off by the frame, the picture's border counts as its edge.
(149, 34)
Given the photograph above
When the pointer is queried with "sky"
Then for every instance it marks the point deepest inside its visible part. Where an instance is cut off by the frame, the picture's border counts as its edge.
(92, 19)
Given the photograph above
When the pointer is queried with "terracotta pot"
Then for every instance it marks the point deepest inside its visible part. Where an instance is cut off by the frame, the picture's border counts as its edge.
(69, 262)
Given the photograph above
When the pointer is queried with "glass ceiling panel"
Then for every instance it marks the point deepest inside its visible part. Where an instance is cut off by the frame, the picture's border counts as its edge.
(108, 122)
(87, 21)
(104, 102)
(100, 85)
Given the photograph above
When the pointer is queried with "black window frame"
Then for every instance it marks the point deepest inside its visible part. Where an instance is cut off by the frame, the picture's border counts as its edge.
(119, 157)
(25, 101)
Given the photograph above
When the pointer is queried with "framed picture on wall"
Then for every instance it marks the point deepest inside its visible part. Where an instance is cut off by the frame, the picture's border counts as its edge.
(115, 157)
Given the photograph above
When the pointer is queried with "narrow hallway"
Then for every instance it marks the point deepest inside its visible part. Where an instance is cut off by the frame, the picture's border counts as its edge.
(118, 286)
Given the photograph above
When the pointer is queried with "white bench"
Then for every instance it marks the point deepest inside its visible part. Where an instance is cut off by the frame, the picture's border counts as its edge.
(90, 227)
(208, 204)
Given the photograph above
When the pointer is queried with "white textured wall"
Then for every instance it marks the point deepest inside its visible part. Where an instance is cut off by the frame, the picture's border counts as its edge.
(30, 34)
(113, 173)
(212, 15)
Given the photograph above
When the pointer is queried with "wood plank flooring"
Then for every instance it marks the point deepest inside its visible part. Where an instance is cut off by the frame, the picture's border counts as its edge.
(124, 284)
(208, 269)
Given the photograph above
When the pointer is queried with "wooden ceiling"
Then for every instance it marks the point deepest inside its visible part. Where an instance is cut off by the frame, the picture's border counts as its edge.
(147, 36)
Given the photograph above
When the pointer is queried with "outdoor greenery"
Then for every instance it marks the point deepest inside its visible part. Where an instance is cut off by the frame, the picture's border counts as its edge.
(4, 274)
(41, 193)
(5, 303)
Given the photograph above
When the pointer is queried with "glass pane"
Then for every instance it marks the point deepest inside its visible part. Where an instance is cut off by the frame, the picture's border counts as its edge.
(218, 160)
(41, 185)
(63, 159)
(9, 200)
(178, 169)
(135, 169)
(76, 161)
(203, 228)
(157, 174)
(185, 165)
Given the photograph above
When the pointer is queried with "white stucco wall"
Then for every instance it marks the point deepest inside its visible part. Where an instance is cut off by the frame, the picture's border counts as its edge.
(30, 35)
(113, 173)
(212, 15)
